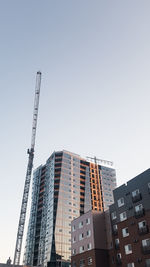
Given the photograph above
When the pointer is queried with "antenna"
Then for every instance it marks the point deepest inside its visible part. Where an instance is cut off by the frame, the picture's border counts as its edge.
(28, 173)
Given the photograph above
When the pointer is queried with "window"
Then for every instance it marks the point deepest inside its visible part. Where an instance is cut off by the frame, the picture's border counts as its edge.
(74, 251)
(142, 224)
(89, 246)
(115, 228)
(73, 228)
(128, 249)
(81, 236)
(135, 192)
(118, 256)
(130, 264)
(117, 241)
(82, 262)
(90, 260)
(138, 208)
(113, 215)
(81, 249)
(125, 232)
(123, 216)
(74, 264)
(149, 185)
(80, 224)
(88, 221)
(120, 202)
(88, 233)
(147, 261)
(74, 239)
(146, 242)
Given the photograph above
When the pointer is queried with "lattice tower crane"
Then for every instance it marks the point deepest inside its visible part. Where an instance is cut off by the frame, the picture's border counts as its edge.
(28, 174)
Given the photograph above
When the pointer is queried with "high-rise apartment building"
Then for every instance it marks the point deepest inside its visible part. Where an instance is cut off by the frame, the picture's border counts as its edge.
(64, 188)
(130, 219)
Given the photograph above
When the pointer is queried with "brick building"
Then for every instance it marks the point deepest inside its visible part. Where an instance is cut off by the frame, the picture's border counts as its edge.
(130, 219)
(91, 239)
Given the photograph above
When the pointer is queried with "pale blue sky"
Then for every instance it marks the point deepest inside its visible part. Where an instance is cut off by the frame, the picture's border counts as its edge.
(95, 94)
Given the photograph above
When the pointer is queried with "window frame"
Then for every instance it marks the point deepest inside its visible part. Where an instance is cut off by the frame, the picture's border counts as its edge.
(127, 250)
(120, 203)
(123, 231)
(122, 218)
(114, 215)
(88, 260)
(135, 192)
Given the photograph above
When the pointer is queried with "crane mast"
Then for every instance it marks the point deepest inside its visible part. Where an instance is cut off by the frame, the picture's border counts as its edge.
(28, 174)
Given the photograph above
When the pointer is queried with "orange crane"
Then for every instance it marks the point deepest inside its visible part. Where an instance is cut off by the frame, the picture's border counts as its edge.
(30, 152)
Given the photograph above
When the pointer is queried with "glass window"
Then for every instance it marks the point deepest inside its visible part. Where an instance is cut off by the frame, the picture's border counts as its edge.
(74, 239)
(135, 192)
(128, 249)
(88, 221)
(123, 216)
(82, 262)
(81, 249)
(117, 241)
(81, 236)
(142, 224)
(80, 224)
(147, 261)
(88, 233)
(120, 202)
(74, 251)
(115, 227)
(73, 228)
(74, 264)
(90, 260)
(89, 246)
(139, 207)
(113, 215)
(118, 255)
(125, 232)
(130, 264)
(146, 242)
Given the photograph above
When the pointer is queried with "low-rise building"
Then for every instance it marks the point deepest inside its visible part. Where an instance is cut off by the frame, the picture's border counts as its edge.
(130, 219)
(91, 239)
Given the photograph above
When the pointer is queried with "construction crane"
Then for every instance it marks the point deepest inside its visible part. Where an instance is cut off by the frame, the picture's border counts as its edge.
(28, 174)
(103, 161)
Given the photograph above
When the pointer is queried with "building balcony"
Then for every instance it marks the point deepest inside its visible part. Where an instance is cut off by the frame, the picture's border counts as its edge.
(139, 213)
(136, 198)
(146, 249)
(143, 230)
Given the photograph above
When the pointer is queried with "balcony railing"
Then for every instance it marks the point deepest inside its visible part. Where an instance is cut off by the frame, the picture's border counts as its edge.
(136, 197)
(139, 213)
(143, 230)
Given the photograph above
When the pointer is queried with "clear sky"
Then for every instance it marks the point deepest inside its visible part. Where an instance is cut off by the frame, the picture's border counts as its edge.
(95, 94)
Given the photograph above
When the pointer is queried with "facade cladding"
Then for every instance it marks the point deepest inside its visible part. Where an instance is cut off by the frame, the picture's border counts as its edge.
(130, 219)
(63, 189)
(90, 243)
